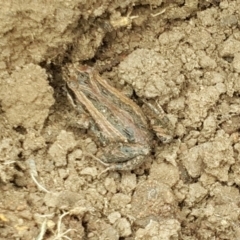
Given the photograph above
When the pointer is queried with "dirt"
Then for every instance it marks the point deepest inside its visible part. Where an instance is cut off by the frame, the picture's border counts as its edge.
(185, 55)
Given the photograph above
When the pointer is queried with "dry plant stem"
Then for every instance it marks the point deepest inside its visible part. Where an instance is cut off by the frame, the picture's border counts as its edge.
(38, 184)
(33, 174)
(9, 162)
(95, 158)
(99, 160)
(42, 230)
(157, 14)
(59, 234)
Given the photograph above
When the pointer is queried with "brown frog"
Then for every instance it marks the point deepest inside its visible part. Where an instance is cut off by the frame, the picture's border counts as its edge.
(118, 122)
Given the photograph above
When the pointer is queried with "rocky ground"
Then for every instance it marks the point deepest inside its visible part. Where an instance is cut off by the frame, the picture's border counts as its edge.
(183, 54)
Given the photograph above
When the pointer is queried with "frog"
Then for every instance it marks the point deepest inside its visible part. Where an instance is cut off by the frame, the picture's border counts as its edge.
(118, 123)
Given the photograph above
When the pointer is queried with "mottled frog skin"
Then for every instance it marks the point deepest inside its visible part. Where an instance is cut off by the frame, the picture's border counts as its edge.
(117, 122)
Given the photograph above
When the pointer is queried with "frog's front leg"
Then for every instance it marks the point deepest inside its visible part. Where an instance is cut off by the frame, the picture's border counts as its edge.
(159, 122)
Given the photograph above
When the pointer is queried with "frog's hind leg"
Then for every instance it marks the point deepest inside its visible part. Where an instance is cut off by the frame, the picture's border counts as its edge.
(124, 166)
